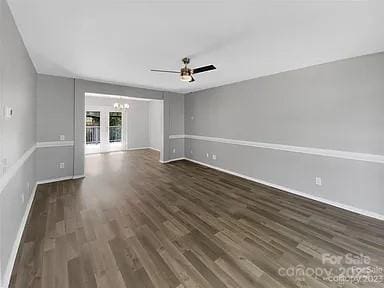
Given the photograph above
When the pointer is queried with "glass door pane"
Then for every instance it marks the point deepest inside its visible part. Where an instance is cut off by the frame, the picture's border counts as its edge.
(115, 125)
(92, 134)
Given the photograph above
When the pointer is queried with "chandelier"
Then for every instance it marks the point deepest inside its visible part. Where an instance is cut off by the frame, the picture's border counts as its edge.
(121, 106)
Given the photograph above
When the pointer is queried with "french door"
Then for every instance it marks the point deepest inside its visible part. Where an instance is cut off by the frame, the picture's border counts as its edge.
(104, 130)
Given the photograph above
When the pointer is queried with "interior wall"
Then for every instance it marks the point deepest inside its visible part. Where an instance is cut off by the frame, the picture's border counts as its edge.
(55, 127)
(17, 134)
(155, 124)
(58, 94)
(137, 118)
(174, 119)
(334, 106)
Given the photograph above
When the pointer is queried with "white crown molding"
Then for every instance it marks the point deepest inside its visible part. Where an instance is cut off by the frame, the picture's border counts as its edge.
(296, 192)
(54, 144)
(374, 158)
(12, 170)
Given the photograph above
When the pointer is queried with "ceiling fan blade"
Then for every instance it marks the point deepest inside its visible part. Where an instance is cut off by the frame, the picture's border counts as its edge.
(192, 80)
(165, 71)
(204, 69)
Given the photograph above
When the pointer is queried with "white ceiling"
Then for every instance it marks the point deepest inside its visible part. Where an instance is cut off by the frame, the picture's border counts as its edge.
(119, 41)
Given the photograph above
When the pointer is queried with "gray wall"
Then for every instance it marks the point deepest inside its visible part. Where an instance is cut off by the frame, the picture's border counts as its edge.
(336, 106)
(17, 90)
(55, 108)
(137, 119)
(55, 114)
(155, 125)
(58, 94)
(174, 116)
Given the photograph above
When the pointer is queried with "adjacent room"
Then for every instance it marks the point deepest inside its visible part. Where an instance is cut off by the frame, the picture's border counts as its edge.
(180, 144)
(117, 123)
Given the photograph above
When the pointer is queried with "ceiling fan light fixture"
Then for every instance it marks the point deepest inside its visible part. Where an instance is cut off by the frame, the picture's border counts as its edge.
(186, 72)
(185, 75)
(186, 78)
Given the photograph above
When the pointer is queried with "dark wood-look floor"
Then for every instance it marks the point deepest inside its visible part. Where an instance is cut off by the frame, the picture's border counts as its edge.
(133, 222)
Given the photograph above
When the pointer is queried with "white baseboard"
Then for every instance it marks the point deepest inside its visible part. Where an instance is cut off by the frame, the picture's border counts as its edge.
(78, 176)
(16, 244)
(296, 192)
(154, 149)
(60, 179)
(172, 160)
(54, 180)
(138, 148)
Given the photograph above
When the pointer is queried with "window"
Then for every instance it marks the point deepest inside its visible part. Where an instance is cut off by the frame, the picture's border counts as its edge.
(115, 124)
(92, 131)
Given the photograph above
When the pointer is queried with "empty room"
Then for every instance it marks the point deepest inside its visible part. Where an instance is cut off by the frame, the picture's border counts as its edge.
(180, 144)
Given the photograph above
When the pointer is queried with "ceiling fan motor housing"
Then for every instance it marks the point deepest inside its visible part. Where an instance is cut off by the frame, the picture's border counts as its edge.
(185, 71)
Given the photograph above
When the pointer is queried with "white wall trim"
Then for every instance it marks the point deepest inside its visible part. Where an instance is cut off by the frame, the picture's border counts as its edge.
(16, 244)
(177, 136)
(54, 144)
(138, 148)
(172, 160)
(158, 150)
(52, 180)
(78, 176)
(13, 169)
(375, 158)
(296, 192)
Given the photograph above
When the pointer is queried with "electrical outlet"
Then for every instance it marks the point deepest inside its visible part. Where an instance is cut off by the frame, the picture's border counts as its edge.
(62, 137)
(214, 156)
(8, 112)
(207, 155)
(174, 150)
(61, 165)
(318, 181)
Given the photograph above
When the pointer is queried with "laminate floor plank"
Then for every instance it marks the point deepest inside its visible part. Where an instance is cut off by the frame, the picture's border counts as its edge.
(134, 222)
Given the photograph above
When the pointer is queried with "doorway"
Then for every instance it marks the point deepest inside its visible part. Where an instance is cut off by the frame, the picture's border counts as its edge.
(104, 129)
(120, 123)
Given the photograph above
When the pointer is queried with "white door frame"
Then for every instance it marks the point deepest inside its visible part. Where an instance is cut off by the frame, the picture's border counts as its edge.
(104, 145)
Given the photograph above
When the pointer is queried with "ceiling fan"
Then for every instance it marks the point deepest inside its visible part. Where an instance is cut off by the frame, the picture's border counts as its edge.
(186, 74)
